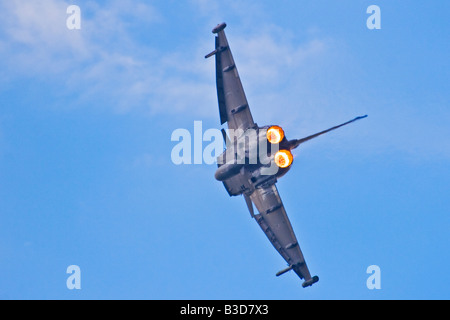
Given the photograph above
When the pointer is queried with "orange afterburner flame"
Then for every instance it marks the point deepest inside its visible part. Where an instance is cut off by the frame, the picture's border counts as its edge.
(283, 158)
(275, 134)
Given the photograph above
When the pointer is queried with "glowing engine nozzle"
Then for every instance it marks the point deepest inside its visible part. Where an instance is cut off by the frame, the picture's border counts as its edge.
(275, 134)
(283, 158)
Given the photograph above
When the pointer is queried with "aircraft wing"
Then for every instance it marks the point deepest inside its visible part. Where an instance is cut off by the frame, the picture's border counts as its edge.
(233, 105)
(273, 220)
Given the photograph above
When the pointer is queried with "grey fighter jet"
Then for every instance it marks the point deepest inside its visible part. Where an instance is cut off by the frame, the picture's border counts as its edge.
(254, 177)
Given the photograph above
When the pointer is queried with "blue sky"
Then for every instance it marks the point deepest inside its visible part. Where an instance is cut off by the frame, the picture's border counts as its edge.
(86, 178)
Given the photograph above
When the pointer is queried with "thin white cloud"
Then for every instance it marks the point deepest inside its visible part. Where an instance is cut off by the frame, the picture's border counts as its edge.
(303, 76)
(102, 62)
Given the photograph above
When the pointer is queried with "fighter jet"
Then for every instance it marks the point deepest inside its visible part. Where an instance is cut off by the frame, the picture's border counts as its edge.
(255, 158)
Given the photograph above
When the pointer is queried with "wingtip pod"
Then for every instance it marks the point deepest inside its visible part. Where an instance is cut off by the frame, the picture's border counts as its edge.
(216, 30)
(310, 282)
(219, 27)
